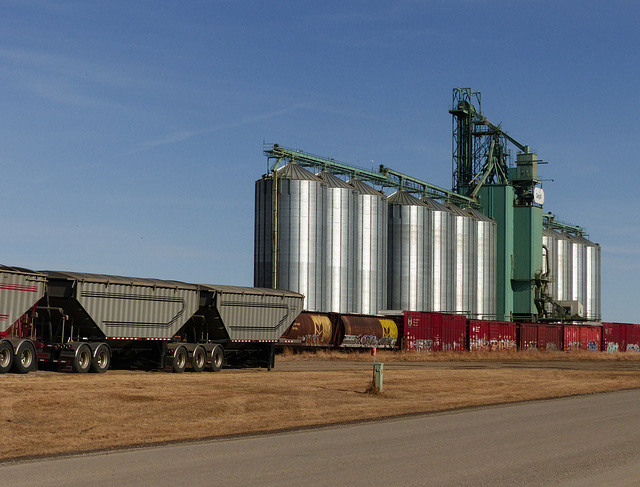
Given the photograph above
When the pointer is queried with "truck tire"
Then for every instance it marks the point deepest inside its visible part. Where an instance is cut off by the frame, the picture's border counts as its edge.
(82, 360)
(101, 359)
(25, 359)
(199, 359)
(6, 357)
(179, 363)
(217, 358)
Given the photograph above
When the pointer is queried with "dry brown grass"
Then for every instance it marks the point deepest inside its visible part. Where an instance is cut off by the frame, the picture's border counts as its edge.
(498, 356)
(47, 413)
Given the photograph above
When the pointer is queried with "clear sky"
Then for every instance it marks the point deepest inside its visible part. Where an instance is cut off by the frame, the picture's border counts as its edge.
(132, 132)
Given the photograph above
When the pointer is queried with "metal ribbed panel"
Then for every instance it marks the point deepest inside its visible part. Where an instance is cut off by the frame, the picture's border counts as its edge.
(19, 292)
(137, 311)
(578, 270)
(441, 269)
(256, 314)
(340, 222)
(370, 249)
(592, 307)
(486, 263)
(301, 233)
(408, 252)
(465, 261)
(565, 264)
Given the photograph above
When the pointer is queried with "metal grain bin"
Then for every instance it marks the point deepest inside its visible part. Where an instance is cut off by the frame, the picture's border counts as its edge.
(116, 307)
(370, 249)
(248, 313)
(300, 236)
(340, 224)
(20, 290)
(440, 277)
(465, 261)
(486, 265)
(592, 305)
(409, 251)
(578, 269)
(564, 258)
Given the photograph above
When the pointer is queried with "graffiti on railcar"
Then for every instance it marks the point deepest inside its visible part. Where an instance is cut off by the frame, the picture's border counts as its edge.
(633, 347)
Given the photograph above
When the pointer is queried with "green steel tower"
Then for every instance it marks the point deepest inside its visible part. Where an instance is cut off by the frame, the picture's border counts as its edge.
(510, 195)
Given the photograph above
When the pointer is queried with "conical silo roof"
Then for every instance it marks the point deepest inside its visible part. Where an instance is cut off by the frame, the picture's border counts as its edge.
(293, 171)
(433, 204)
(401, 197)
(456, 210)
(477, 215)
(332, 180)
(363, 188)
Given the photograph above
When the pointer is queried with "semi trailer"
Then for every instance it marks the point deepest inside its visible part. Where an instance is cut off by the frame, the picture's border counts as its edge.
(89, 322)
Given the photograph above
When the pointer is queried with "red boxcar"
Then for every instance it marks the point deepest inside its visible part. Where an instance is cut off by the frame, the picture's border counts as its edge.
(433, 332)
(620, 337)
(582, 337)
(528, 336)
(550, 337)
(492, 335)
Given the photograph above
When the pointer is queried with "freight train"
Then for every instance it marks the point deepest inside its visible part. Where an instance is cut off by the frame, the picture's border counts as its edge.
(84, 322)
(433, 332)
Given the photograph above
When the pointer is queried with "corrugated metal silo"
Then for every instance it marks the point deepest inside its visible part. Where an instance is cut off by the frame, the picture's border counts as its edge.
(578, 269)
(440, 277)
(465, 260)
(593, 305)
(370, 249)
(408, 252)
(486, 265)
(550, 261)
(564, 258)
(340, 228)
(300, 240)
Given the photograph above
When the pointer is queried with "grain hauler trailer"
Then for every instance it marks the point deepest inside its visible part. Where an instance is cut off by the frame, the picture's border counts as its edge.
(85, 320)
(20, 290)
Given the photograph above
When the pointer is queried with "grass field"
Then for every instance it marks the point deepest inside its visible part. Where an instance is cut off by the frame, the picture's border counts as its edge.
(47, 413)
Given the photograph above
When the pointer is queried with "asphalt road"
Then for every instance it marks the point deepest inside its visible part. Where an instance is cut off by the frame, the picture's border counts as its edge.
(583, 441)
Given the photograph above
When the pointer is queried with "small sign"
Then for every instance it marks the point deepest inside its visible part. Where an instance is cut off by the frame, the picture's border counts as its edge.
(373, 351)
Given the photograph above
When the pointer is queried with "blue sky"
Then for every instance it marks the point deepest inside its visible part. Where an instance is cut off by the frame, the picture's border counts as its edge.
(132, 132)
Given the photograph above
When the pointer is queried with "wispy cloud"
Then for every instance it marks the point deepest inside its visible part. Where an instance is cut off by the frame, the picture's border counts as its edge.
(183, 135)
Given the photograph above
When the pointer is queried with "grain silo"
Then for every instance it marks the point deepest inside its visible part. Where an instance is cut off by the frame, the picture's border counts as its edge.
(440, 274)
(340, 223)
(370, 249)
(408, 252)
(465, 258)
(486, 241)
(299, 237)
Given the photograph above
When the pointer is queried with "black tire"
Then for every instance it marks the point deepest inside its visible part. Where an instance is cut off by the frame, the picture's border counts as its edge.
(82, 360)
(6, 357)
(101, 359)
(199, 359)
(217, 358)
(25, 359)
(180, 356)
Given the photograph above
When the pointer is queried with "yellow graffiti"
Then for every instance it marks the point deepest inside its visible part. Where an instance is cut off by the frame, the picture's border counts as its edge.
(322, 328)
(389, 329)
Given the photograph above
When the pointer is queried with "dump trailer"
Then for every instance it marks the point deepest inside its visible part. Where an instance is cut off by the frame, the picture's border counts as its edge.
(88, 322)
(20, 291)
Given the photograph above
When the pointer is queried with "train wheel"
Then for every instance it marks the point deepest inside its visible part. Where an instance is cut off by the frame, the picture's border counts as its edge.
(25, 359)
(82, 361)
(199, 359)
(179, 359)
(101, 359)
(217, 358)
(6, 357)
